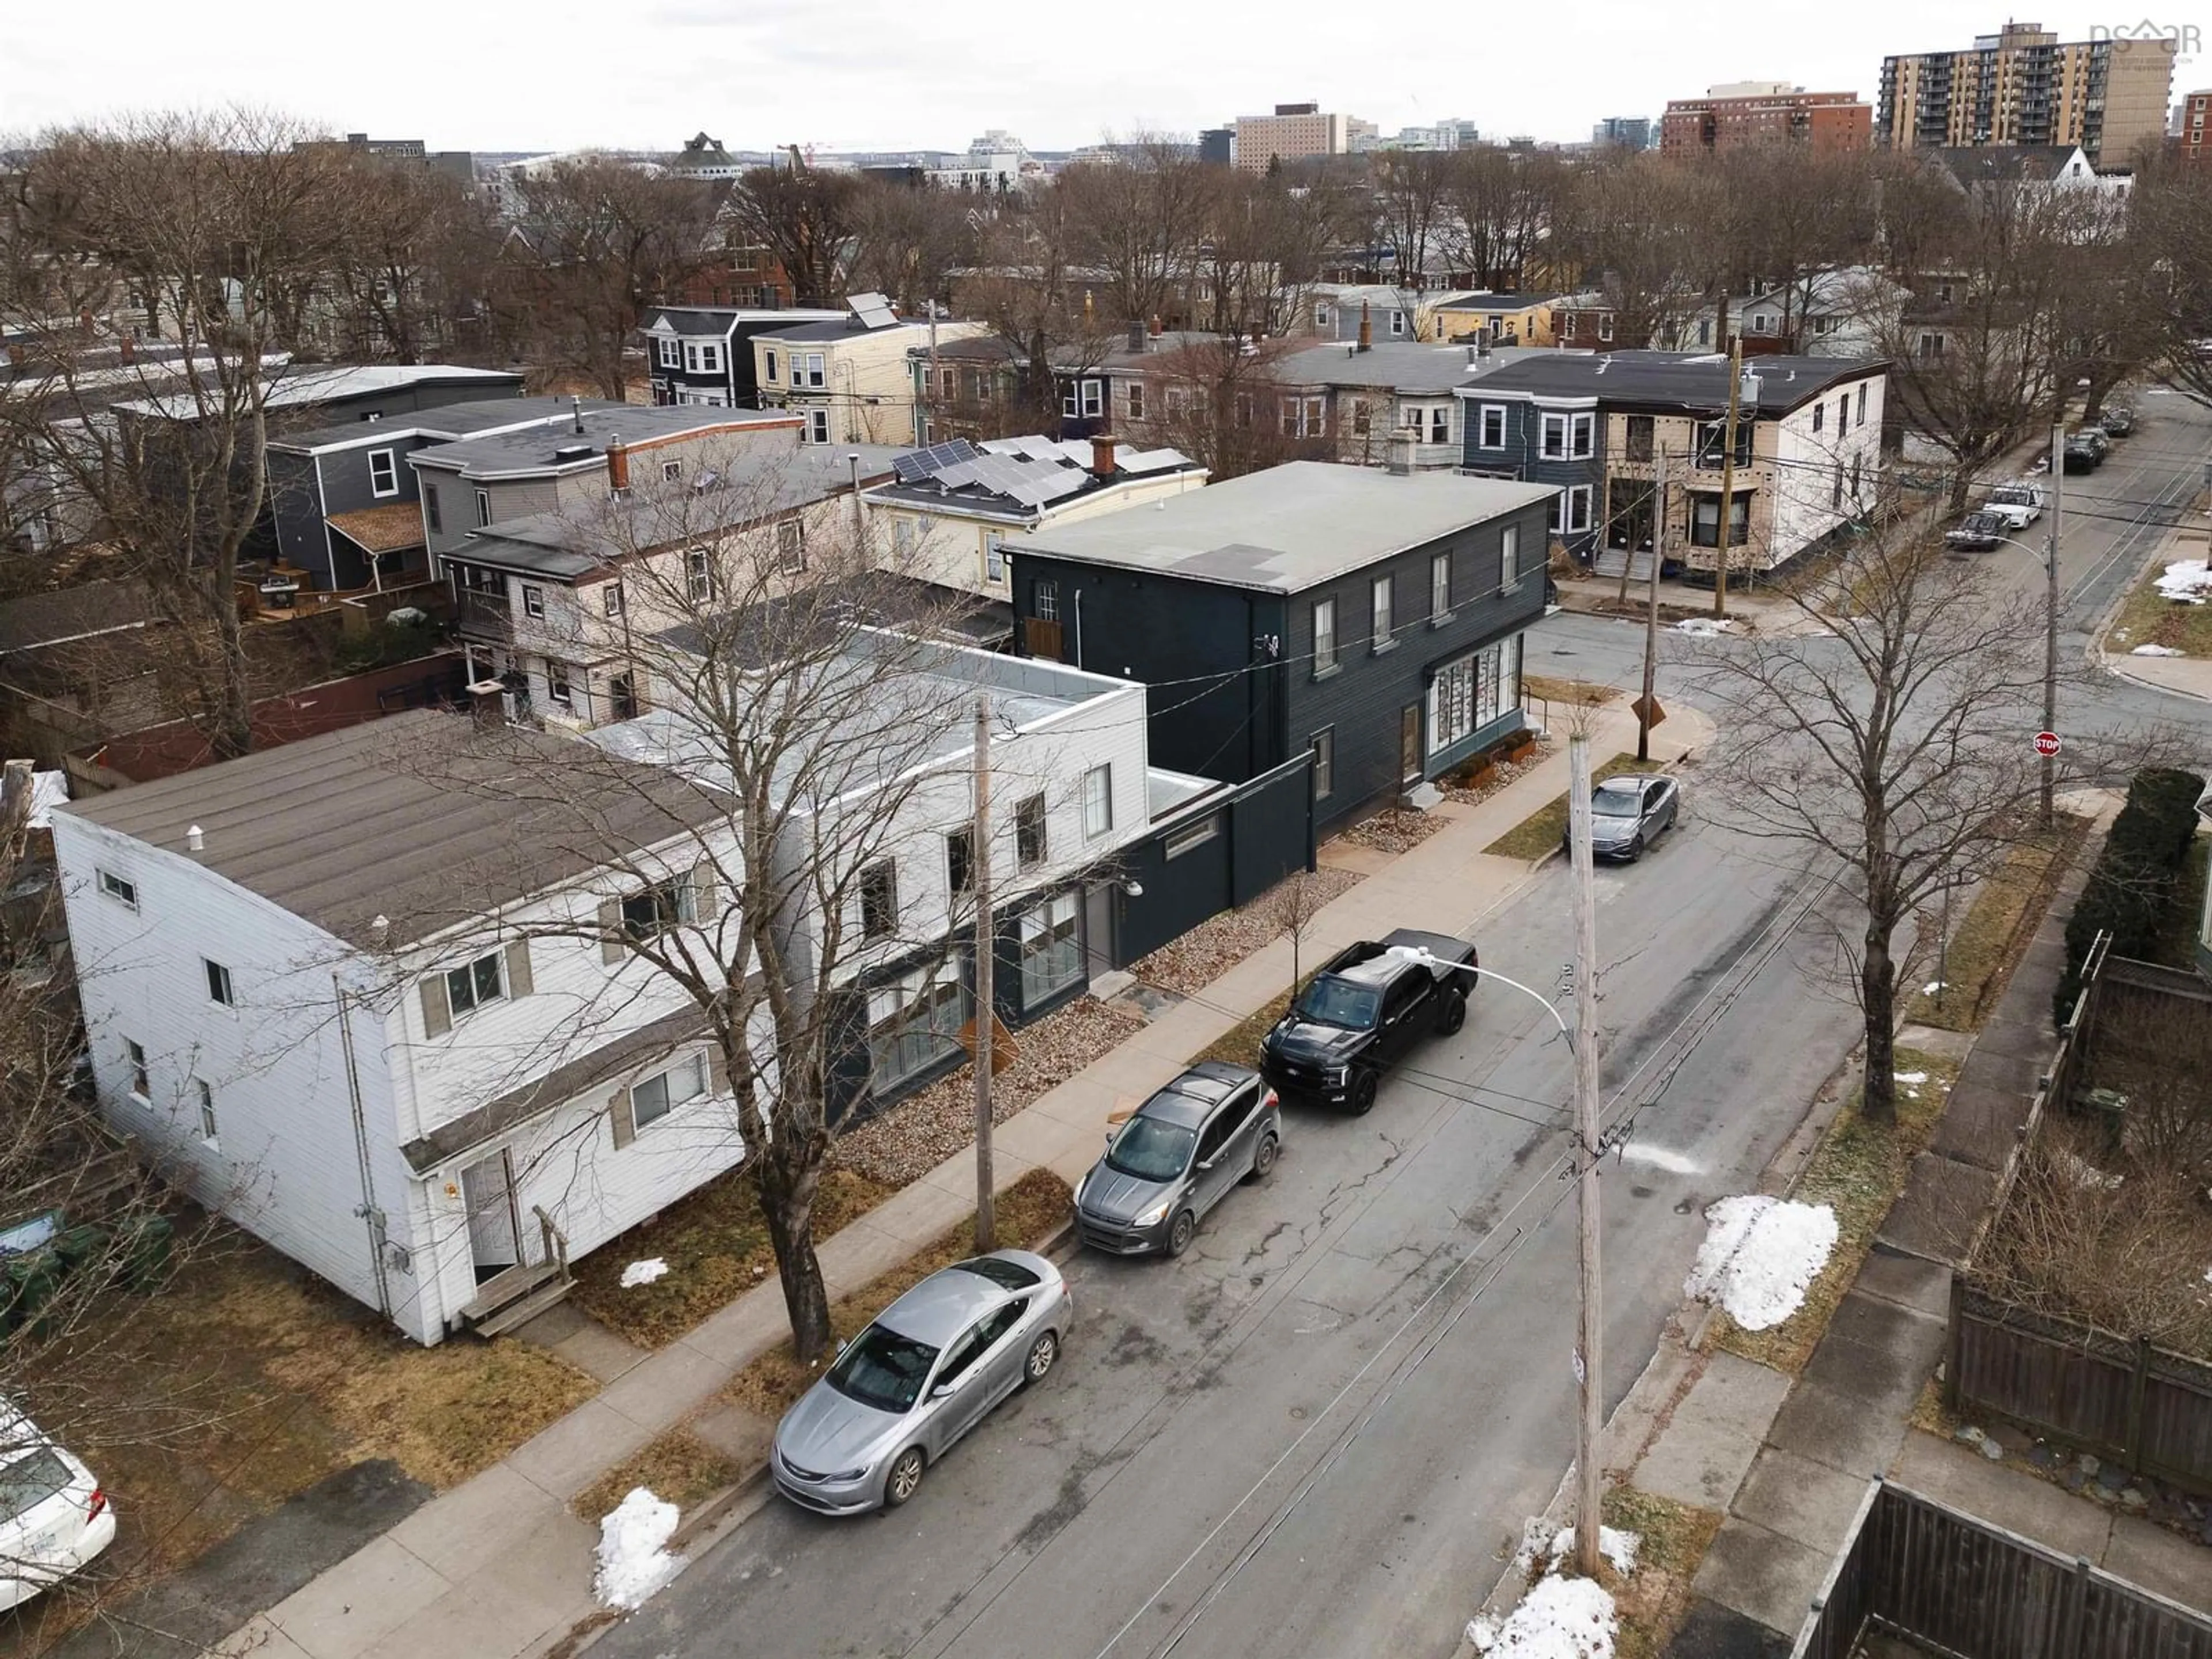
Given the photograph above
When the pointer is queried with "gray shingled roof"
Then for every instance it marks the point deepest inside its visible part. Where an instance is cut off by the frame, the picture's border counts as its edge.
(1288, 528)
(422, 819)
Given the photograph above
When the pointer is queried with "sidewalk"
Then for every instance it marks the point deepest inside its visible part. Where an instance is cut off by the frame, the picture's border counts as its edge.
(499, 1568)
(1788, 1460)
(2186, 676)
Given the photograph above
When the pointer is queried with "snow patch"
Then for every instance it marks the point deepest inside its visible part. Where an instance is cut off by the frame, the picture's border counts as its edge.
(1759, 1256)
(1660, 1158)
(1707, 627)
(1910, 1077)
(1560, 1619)
(2156, 650)
(2084, 1174)
(634, 1557)
(1618, 1547)
(2187, 581)
(642, 1273)
(1933, 987)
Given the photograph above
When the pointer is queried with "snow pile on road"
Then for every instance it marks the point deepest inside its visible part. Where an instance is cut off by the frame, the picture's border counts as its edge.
(634, 1557)
(642, 1273)
(2156, 650)
(1706, 627)
(1759, 1256)
(2187, 580)
(1560, 1619)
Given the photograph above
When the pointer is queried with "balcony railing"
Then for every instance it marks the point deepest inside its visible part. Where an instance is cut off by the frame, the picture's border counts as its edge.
(486, 617)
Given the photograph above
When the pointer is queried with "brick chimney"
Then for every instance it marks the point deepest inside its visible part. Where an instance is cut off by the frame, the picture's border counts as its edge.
(1156, 330)
(617, 465)
(1366, 329)
(1102, 454)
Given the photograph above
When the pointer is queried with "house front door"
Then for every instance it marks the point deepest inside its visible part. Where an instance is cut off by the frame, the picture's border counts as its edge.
(495, 1239)
(1409, 745)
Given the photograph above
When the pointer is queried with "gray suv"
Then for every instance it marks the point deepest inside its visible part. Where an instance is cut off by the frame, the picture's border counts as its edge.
(1177, 1157)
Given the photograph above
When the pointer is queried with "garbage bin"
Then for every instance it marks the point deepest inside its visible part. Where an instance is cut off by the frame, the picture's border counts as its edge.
(146, 1242)
(80, 1246)
(28, 1283)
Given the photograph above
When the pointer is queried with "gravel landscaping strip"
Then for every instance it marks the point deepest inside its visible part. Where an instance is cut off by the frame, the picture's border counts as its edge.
(1502, 776)
(1210, 950)
(917, 1135)
(1393, 830)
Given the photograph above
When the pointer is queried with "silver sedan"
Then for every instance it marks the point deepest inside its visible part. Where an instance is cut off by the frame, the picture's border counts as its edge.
(919, 1378)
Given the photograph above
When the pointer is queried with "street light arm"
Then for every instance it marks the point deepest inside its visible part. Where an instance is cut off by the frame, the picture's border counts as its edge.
(1437, 964)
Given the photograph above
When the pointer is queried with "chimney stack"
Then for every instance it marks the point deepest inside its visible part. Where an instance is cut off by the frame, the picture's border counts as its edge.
(1156, 330)
(1366, 329)
(488, 705)
(1401, 454)
(576, 411)
(1102, 454)
(127, 349)
(617, 465)
(1136, 336)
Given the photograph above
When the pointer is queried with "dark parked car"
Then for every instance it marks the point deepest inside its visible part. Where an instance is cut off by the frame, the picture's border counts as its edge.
(1977, 532)
(1627, 813)
(2118, 420)
(1368, 1004)
(1176, 1157)
(2083, 456)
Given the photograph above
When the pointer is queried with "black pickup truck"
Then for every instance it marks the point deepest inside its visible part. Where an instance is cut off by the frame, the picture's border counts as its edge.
(1368, 1004)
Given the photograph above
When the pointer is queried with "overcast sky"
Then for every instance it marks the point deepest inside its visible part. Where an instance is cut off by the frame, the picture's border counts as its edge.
(507, 75)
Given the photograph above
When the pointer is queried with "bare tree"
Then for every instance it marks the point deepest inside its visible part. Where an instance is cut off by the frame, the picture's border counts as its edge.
(1266, 245)
(1291, 908)
(1141, 224)
(1412, 192)
(1223, 403)
(1498, 207)
(807, 218)
(220, 229)
(909, 240)
(411, 279)
(2171, 228)
(598, 240)
(1637, 228)
(1896, 749)
(1030, 288)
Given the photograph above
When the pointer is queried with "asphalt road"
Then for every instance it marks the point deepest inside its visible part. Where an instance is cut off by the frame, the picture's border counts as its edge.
(1315, 1432)
(1318, 1432)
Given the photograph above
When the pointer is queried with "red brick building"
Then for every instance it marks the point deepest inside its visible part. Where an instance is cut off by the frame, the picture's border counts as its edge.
(1766, 112)
(2192, 142)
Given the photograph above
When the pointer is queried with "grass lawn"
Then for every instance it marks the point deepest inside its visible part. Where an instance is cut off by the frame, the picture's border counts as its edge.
(1674, 1539)
(1026, 1212)
(716, 1245)
(2148, 617)
(1581, 694)
(1858, 1171)
(245, 1380)
(677, 1467)
(1540, 832)
(1987, 943)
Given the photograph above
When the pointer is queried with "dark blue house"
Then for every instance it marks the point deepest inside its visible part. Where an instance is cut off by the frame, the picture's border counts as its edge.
(1372, 618)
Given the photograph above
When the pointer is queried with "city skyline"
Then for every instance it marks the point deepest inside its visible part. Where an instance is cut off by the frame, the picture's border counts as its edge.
(772, 74)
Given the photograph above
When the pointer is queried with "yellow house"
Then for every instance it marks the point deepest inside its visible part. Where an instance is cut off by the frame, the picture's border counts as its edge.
(848, 380)
(1517, 320)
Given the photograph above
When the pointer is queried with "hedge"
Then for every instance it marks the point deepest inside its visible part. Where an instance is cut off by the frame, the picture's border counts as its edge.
(2133, 882)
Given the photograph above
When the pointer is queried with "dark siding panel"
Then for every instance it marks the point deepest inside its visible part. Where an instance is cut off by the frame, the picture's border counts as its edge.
(299, 531)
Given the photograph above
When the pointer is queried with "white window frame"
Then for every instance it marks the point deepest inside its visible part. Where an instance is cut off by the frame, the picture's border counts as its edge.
(768, 365)
(994, 555)
(927, 1012)
(1605, 325)
(463, 980)
(1493, 420)
(1509, 556)
(1570, 513)
(1440, 423)
(1440, 580)
(1050, 946)
(1383, 601)
(806, 369)
(533, 600)
(123, 890)
(790, 545)
(141, 1074)
(383, 481)
(670, 471)
(1323, 745)
(1471, 692)
(669, 353)
(1324, 636)
(692, 1071)
(1551, 437)
(1135, 395)
(206, 1094)
(817, 427)
(559, 689)
(1397, 324)
(1582, 435)
(1098, 802)
(483, 508)
(710, 357)
(1321, 314)
(699, 575)
(219, 988)
(610, 599)
(1094, 399)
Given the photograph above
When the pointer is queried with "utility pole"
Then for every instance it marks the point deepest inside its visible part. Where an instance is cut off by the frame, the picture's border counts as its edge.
(986, 951)
(2050, 617)
(1589, 1347)
(1651, 615)
(1728, 475)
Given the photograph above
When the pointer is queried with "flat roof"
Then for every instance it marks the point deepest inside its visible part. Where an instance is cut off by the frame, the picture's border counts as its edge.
(1289, 528)
(848, 328)
(1498, 302)
(1400, 365)
(1696, 382)
(423, 818)
(715, 322)
(452, 420)
(321, 383)
(537, 449)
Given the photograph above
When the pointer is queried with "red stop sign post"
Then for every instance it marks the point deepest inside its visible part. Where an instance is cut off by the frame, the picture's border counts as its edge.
(2047, 744)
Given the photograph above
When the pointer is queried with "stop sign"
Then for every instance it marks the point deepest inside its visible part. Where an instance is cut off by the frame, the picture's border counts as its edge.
(2046, 743)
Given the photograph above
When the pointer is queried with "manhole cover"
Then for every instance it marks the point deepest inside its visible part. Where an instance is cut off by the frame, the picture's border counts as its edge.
(1297, 1414)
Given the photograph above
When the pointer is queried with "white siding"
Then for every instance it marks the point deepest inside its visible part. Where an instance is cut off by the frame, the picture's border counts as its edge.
(1802, 481)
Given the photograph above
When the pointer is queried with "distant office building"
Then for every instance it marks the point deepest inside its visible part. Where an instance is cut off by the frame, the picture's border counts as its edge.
(996, 162)
(1454, 133)
(1294, 132)
(1217, 145)
(2024, 86)
(458, 163)
(2188, 135)
(1765, 112)
(1628, 131)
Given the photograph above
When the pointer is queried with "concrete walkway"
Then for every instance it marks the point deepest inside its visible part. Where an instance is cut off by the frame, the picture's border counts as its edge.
(499, 1567)
(2187, 676)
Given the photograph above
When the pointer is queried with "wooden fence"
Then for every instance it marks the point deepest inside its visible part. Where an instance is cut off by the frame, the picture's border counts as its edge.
(1962, 1587)
(2145, 1408)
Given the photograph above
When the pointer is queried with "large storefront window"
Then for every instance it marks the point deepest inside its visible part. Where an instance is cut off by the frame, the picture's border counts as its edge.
(1051, 948)
(914, 1022)
(1468, 695)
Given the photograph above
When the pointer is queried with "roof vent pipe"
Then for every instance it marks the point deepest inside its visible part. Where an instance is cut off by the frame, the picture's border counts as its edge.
(576, 410)
(196, 839)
